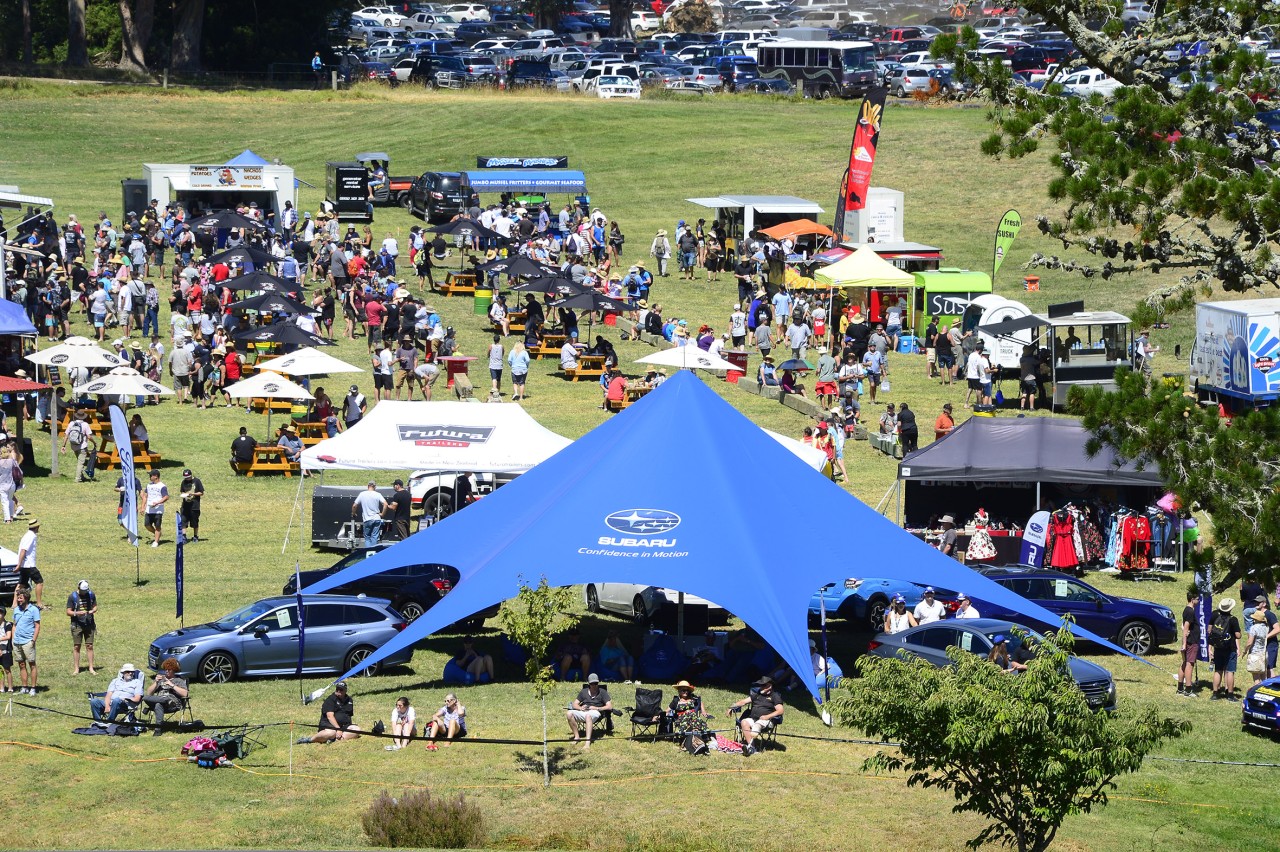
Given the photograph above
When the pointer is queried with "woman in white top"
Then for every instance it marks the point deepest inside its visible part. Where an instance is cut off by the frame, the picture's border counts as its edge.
(450, 722)
(897, 619)
(403, 724)
(1255, 650)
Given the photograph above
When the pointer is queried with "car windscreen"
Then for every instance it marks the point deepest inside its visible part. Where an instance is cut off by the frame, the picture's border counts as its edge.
(243, 616)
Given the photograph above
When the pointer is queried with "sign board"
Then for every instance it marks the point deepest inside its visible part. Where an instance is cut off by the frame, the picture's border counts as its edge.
(227, 177)
(949, 304)
(1236, 350)
(522, 162)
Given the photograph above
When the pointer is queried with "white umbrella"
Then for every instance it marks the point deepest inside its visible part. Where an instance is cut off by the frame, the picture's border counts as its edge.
(308, 361)
(123, 381)
(269, 385)
(687, 357)
(76, 352)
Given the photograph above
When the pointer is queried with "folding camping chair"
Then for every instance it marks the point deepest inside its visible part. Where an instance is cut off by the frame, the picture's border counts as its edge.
(767, 737)
(184, 714)
(648, 716)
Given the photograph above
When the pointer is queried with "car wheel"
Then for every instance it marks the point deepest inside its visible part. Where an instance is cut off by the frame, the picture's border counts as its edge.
(217, 667)
(638, 612)
(356, 656)
(411, 610)
(1136, 637)
(404, 200)
(876, 608)
(593, 599)
(386, 22)
(899, 92)
(438, 504)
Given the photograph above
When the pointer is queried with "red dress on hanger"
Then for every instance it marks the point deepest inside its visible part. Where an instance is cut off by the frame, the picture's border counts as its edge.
(1063, 554)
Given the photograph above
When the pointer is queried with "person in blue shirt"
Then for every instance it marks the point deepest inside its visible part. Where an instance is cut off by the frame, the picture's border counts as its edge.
(124, 694)
(317, 70)
(873, 361)
(632, 283)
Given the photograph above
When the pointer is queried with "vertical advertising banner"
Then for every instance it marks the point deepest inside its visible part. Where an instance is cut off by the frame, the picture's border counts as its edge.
(1033, 539)
(862, 156)
(178, 562)
(1006, 233)
(124, 444)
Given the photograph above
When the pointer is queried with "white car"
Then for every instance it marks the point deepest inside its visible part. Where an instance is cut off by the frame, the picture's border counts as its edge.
(384, 14)
(641, 603)
(615, 86)
(468, 12)
(493, 44)
(1091, 81)
(922, 59)
(643, 19)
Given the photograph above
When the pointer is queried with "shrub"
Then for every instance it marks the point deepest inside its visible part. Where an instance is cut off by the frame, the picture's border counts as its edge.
(418, 819)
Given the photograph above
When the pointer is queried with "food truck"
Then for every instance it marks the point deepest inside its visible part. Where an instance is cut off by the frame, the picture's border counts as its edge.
(1236, 352)
(245, 179)
(1085, 347)
(945, 293)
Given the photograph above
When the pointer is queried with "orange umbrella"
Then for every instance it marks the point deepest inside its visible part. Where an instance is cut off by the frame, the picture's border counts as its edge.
(798, 228)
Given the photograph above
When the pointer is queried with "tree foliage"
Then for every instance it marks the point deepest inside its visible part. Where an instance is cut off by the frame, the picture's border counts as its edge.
(1231, 472)
(691, 16)
(1022, 750)
(1167, 176)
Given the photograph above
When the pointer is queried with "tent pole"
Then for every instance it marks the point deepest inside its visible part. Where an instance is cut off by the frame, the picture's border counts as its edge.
(897, 499)
(680, 619)
(1037, 508)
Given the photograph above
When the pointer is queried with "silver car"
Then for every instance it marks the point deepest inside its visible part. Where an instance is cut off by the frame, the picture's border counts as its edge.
(340, 631)
(641, 603)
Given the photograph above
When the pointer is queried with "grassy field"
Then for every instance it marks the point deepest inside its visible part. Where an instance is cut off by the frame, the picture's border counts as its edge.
(642, 160)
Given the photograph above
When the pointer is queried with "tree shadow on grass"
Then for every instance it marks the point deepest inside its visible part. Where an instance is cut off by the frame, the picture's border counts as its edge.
(559, 760)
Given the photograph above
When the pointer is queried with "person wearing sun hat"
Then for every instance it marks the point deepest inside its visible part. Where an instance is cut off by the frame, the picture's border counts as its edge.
(123, 696)
(593, 701)
(765, 709)
(947, 538)
(661, 251)
(1224, 644)
(686, 711)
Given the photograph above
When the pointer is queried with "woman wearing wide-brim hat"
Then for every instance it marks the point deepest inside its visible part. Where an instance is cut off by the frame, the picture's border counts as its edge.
(688, 715)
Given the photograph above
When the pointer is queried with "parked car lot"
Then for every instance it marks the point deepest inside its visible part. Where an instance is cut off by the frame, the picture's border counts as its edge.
(262, 638)
(931, 641)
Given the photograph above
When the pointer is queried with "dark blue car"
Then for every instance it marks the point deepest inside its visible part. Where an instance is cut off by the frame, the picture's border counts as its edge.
(1138, 626)
(1261, 707)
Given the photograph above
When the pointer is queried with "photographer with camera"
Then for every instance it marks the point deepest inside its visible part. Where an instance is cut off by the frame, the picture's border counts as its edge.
(82, 606)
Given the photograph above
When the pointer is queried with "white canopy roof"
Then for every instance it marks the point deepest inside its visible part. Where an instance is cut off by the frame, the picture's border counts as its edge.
(687, 357)
(267, 384)
(308, 361)
(432, 436)
(124, 381)
(76, 352)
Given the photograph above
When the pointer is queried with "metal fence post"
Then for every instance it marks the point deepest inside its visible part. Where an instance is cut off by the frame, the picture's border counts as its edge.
(165, 79)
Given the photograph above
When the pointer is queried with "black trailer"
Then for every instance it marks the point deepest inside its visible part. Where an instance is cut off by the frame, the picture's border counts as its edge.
(332, 525)
(347, 191)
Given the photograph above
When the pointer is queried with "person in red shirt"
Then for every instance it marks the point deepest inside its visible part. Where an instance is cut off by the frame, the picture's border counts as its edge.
(195, 304)
(374, 312)
(944, 424)
(231, 371)
(617, 390)
(221, 272)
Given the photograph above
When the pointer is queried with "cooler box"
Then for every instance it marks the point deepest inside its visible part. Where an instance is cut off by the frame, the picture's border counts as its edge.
(611, 319)
(907, 344)
(484, 299)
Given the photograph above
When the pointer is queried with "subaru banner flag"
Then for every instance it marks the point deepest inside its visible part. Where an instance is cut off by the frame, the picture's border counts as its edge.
(124, 445)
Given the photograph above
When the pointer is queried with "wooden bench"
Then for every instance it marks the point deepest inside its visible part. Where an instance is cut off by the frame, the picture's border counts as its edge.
(634, 391)
(268, 459)
(462, 387)
(548, 347)
(459, 284)
(110, 459)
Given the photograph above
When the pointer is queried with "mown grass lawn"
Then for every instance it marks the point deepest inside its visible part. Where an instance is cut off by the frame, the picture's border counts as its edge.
(642, 160)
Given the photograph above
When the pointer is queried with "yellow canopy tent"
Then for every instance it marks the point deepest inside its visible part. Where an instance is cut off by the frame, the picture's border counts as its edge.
(864, 268)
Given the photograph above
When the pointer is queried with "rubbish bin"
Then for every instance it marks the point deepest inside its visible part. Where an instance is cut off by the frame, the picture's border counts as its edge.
(484, 298)
(738, 358)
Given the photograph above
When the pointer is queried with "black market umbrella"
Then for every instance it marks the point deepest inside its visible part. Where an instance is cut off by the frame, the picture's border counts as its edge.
(794, 365)
(466, 228)
(560, 286)
(591, 300)
(259, 281)
(276, 303)
(519, 267)
(241, 254)
(283, 333)
(225, 219)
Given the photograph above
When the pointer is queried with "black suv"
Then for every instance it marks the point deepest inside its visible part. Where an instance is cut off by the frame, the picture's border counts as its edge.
(528, 72)
(439, 196)
(412, 590)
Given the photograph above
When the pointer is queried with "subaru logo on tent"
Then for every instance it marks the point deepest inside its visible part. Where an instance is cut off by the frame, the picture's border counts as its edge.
(643, 521)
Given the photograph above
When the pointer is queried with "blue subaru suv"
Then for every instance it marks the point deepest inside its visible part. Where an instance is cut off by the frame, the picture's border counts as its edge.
(1137, 626)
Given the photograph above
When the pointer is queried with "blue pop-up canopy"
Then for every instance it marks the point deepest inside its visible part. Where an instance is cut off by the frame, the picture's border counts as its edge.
(687, 519)
(13, 320)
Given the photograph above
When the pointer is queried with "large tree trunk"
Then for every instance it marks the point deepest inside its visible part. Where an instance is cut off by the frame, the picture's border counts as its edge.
(188, 29)
(136, 19)
(27, 58)
(620, 18)
(77, 45)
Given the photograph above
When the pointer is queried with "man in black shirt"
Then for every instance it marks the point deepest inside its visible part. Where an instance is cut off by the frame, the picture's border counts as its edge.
(398, 511)
(908, 431)
(592, 702)
(335, 718)
(743, 270)
(766, 710)
(1190, 644)
(242, 450)
(931, 348)
(191, 491)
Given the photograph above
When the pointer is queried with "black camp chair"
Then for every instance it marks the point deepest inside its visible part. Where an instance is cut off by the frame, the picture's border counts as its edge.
(648, 716)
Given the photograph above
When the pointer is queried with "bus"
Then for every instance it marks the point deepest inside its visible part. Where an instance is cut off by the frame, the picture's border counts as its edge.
(821, 69)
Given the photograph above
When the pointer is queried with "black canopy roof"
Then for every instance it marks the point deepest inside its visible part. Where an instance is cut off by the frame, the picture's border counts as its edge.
(1024, 449)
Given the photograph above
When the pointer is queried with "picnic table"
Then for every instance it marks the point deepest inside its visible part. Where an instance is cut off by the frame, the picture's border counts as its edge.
(268, 459)
(98, 426)
(459, 284)
(549, 346)
(109, 455)
(589, 367)
(263, 404)
(635, 389)
(311, 433)
(515, 321)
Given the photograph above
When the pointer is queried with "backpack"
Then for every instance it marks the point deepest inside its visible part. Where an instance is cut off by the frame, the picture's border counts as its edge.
(76, 435)
(1219, 631)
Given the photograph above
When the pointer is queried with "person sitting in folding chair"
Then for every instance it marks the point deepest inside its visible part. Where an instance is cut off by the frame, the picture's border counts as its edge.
(764, 710)
(688, 715)
(167, 693)
(122, 697)
(592, 703)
